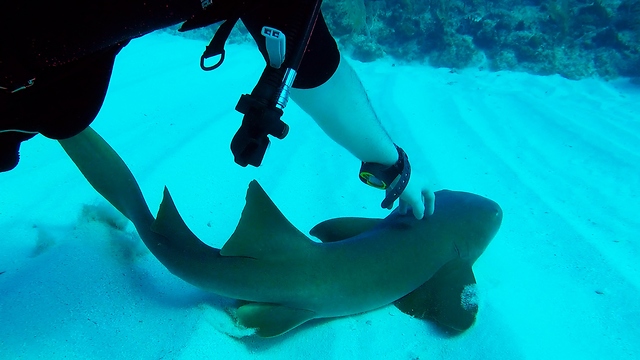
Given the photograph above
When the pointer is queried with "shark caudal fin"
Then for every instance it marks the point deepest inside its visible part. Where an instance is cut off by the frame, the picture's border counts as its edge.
(342, 228)
(108, 174)
(263, 232)
(448, 298)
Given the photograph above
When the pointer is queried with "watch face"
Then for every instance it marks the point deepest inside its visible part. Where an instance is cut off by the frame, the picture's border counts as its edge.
(371, 180)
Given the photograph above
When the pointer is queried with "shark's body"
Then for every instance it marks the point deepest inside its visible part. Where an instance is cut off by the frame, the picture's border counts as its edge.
(288, 279)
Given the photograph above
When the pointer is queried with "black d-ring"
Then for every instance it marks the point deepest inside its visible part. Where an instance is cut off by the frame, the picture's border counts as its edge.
(215, 66)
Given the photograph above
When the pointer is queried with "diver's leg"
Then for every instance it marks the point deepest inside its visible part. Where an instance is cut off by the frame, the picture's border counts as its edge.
(342, 109)
(328, 89)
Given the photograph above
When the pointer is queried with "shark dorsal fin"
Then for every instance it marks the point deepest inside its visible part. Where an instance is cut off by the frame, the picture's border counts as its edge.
(263, 232)
(342, 228)
(448, 298)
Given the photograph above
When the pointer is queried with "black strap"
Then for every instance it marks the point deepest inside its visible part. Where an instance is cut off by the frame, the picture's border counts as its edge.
(216, 46)
(392, 194)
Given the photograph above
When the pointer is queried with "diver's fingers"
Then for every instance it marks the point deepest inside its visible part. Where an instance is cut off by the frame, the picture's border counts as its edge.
(403, 207)
(418, 208)
(429, 201)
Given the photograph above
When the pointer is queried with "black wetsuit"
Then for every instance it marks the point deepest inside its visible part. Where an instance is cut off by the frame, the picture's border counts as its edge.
(69, 47)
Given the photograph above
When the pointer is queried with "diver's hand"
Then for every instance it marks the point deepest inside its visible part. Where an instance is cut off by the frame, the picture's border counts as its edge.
(417, 196)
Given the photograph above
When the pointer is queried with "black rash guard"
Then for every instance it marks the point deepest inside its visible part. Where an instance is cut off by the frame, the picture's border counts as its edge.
(70, 48)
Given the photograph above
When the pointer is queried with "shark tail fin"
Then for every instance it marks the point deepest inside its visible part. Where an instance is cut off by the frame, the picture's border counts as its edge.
(108, 174)
(263, 232)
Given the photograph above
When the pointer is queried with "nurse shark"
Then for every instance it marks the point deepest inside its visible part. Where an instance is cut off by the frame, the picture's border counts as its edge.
(284, 279)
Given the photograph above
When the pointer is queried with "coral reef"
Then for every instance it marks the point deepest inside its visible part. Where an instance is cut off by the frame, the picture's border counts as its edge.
(573, 38)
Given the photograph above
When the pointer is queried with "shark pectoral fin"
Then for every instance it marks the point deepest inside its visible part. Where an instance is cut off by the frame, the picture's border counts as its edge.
(342, 228)
(271, 320)
(263, 232)
(448, 298)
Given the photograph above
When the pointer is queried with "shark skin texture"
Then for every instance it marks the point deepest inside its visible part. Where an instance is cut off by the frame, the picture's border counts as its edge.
(284, 279)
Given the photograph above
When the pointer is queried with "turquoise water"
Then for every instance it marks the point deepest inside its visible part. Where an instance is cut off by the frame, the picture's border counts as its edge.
(561, 158)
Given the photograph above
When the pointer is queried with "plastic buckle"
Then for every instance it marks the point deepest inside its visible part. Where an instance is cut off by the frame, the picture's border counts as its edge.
(276, 45)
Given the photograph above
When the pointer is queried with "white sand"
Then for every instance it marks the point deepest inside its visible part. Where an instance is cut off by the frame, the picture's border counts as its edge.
(560, 280)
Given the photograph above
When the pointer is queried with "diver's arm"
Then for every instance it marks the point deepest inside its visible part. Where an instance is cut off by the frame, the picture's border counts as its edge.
(342, 109)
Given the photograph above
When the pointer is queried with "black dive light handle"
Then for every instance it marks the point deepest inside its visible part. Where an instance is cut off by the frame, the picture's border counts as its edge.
(250, 143)
(263, 108)
(261, 118)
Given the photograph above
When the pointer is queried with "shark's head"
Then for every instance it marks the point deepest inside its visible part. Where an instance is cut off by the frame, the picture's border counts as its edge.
(477, 220)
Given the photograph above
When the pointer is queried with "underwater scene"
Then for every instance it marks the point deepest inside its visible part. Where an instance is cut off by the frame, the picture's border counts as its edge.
(143, 237)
